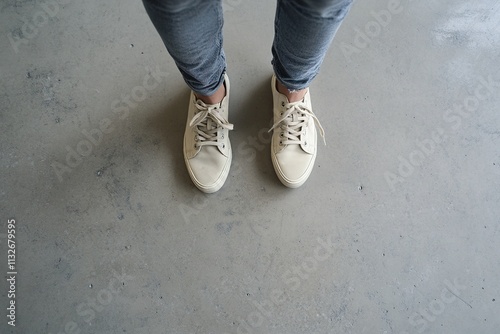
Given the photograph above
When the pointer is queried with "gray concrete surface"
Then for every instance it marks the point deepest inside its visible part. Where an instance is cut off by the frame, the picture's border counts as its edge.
(397, 230)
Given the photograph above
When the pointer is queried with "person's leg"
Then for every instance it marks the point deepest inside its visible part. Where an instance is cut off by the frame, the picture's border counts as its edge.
(192, 33)
(304, 30)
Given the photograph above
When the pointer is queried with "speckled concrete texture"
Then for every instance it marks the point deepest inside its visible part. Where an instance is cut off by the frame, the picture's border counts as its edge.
(396, 231)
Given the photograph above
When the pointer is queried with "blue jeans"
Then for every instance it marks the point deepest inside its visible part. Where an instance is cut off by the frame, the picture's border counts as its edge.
(192, 33)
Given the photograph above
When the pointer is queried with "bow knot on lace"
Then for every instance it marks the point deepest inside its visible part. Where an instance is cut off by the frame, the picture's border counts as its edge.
(207, 122)
(294, 122)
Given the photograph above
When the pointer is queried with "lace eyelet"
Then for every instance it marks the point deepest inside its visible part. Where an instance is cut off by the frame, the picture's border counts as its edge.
(281, 134)
(283, 103)
(223, 146)
(281, 113)
(281, 142)
(305, 143)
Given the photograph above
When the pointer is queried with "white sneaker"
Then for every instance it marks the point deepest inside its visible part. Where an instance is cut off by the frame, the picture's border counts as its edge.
(293, 144)
(207, 150)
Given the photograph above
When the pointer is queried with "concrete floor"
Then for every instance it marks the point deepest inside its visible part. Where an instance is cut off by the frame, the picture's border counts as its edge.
(396, 231)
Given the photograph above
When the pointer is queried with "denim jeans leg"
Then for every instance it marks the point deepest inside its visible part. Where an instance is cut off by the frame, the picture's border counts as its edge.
(192, 33)
(304, 30)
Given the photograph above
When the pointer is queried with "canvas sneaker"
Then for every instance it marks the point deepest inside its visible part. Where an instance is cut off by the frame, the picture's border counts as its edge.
(293, 143)
(207, 150)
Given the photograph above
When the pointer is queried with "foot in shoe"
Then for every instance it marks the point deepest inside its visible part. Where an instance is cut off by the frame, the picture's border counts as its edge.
(293, 144)
(207, 149)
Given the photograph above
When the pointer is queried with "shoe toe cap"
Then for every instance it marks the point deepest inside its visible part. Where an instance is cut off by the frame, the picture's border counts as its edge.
(209, 169)
(294, 165)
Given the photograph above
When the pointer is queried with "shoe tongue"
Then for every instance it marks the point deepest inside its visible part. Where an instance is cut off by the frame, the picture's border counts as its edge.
(209, 124)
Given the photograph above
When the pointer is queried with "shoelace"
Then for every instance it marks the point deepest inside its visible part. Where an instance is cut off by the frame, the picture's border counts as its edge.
(294, 121)
(207, 121)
